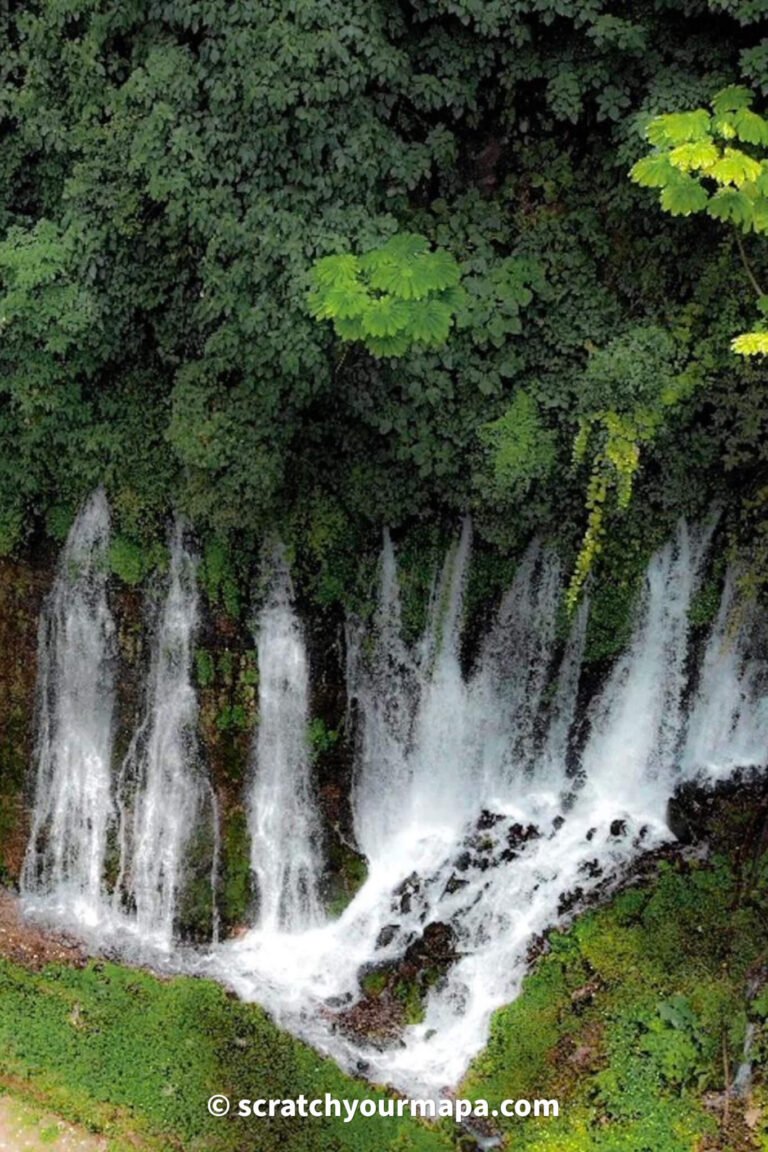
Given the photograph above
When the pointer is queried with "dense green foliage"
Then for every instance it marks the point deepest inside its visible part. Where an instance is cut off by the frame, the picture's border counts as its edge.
(172, 172)
(130, 1055)
(714, 162)
(636, 1018)
(390, 298)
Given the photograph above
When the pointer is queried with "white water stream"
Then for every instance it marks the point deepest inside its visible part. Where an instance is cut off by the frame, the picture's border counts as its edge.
(281, 816)
(161, 788)
(483, 801)
(467, 811)
(74, 807)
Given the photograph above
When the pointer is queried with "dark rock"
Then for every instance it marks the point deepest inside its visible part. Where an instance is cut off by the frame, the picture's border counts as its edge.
(387, 935)
(488, 820)
(402, 897)
(592, 869)
(435, 949)
(518, 834)
(591, 834)
(558, 822)
(618, 828)
(455, 884)
(569, 900)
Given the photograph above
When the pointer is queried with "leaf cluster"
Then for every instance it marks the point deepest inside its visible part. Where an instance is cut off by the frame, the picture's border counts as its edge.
(391, 297)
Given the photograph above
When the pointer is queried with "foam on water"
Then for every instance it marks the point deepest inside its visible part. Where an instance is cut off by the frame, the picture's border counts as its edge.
(485, 800)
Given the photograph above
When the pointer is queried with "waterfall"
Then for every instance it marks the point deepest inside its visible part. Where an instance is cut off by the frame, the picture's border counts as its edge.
(729, 724)
(638, 722)
(488, 800)
(281, 816)
(161, 789)
(475, 807)
(73, 807)
(385, 689)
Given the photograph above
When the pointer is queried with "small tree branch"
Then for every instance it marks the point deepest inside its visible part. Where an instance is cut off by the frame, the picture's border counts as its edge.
(747, 265)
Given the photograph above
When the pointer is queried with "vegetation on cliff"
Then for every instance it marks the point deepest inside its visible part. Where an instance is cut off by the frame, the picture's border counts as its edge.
(172, 173)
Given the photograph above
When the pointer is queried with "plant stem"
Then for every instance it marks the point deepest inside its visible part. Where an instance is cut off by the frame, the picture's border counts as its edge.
(747, 265)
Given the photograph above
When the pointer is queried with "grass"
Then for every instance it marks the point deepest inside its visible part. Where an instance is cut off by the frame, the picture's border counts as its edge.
(635, 1019)
(136, 1058)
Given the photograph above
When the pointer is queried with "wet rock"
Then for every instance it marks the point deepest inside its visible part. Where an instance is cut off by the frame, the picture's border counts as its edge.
(730, 814)
(591, 834)
(434, 950)
(592, 869)
(569, 900)
(539, 946)
(586, 993)
(387, 935)
(402, 897)
(519, 834)
(488, 820)
(455, 884)
(558, 822)
(464, 862)
(618, 828)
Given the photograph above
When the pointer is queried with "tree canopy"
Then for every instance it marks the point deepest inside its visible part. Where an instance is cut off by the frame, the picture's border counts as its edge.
(172, 172)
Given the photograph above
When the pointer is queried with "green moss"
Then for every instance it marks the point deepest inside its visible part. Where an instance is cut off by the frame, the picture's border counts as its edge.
(131, 562)
(219, 579)
(118, 1050)
(407, 992)
(705, 604)
(235, 887)
(232, 718)
(374, 983)
(349, 872)
(195, 912)
(630, 1018)
(204, 668)
(616, 588)
(321, 738)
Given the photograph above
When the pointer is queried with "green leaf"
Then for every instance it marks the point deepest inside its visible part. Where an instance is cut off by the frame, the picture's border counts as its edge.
(430, 321)
(345, 301)
(698, 154)
(679, 128)
(654, 171)
(684, 197)
(725, 127)
(405, 246)
(751, 344)
(732, 205)
(735, 167)
(732, 99)
(349, 329)
(385, 317)
(336, 270)
(385, 346)
(455, 297)
(415, 278)
(750, 127)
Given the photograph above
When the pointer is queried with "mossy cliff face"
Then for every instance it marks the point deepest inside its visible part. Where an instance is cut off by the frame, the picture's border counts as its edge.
(647, 1018)
(225, 674)
(22, 589)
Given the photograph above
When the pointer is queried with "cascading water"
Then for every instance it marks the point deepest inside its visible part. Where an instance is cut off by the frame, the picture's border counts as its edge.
(162, 791)
(281, 817)
(474, 810)
(73, 808)
(729, 722)
(476, 807)
(638, 723)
